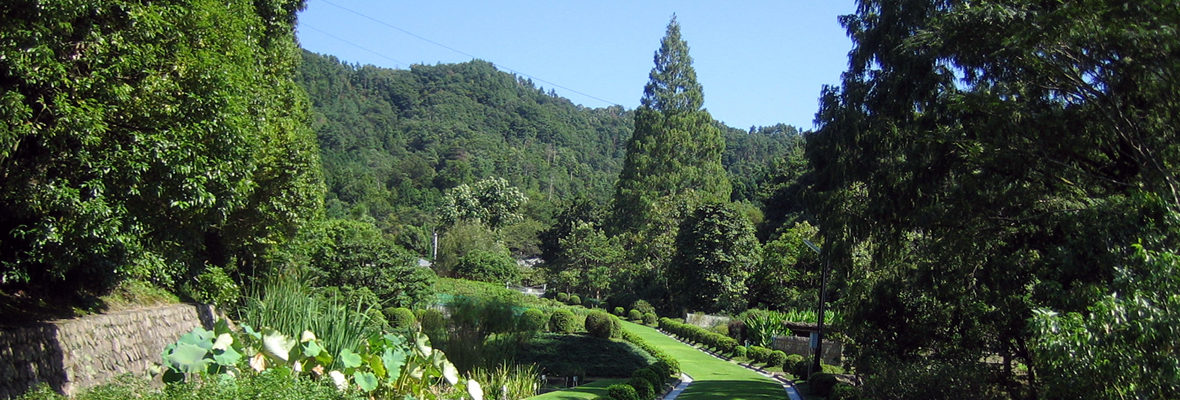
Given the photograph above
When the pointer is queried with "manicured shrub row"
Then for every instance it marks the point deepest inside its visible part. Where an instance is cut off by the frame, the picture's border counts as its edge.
(665, 365)
(649, 319)
(635, 316)
(698, 335)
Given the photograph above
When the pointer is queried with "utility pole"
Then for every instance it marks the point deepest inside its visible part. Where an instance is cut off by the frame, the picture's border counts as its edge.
(818, 341)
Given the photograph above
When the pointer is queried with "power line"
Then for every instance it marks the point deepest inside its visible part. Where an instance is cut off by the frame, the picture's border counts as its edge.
(396, 62)
(454, 50)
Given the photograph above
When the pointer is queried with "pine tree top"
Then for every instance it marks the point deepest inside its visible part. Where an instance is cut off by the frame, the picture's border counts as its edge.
(673, 82)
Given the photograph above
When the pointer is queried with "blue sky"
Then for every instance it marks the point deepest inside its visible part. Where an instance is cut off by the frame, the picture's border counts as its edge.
(760, 62)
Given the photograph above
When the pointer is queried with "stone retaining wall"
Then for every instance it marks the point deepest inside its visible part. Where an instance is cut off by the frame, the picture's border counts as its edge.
(832, 354)
(74, 354)
(705, 320)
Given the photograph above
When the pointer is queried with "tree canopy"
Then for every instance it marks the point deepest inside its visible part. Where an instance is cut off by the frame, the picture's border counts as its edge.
(675, 150)
(147, 140)
(985, 159)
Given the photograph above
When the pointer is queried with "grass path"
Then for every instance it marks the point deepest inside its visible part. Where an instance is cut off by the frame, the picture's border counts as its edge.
(592, 390)
(713, 378)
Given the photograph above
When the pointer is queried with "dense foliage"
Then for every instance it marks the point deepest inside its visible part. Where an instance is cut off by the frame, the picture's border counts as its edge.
(148, 140)
(985, 159)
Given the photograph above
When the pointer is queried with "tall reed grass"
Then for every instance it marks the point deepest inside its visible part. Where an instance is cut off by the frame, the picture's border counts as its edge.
(508, 382)
(288, 305)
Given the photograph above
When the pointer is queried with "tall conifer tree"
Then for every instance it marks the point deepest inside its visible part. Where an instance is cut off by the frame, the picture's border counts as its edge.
(675, 153)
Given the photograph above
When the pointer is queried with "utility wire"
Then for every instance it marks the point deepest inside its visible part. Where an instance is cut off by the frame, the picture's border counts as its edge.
(396, 62)
(451, 49)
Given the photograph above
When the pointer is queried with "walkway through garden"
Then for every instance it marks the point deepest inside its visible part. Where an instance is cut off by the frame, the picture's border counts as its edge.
(713, 378)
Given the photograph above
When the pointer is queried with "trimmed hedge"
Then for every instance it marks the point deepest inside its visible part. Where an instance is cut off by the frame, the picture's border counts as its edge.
(621, 392)
(635, 316)
(563, 321)
(563, 297)
(665, 365)
(649, 319)
(776, 359)
(619, 311)
(532, 320)
(400, 318)
(800, 369)
(602, 325)
(642, 387)
(575, 300)
(698, 335)
(758, 354)
(739, 352)
(821, 384)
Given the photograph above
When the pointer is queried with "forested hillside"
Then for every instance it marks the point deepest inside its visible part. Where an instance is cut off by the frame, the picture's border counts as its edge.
(392, 141)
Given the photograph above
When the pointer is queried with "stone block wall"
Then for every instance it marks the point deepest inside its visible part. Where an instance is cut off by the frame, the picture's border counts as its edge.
(832, 354)
(705, 320)
(75, 354)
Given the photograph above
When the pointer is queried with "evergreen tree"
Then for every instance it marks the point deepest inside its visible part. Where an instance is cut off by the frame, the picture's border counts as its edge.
(675, 149)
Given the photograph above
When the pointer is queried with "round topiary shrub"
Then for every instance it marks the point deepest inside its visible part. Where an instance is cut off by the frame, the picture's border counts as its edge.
(563, 297)
(643, 306)
(400, 318)
(652, 377)
(635, 315)
(532, 320)
(433, 320)
(642, 387)
(791, 360)
(621, 392)
(575, 300)
(776, 358)
(563, 321)
(758, 354)
(619, 311)
(649, 319)
(800, 369)
(821, 384)
(600, 324)
(739, 352)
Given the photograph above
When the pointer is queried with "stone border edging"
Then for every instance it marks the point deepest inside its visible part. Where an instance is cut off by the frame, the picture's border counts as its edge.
(678, 388)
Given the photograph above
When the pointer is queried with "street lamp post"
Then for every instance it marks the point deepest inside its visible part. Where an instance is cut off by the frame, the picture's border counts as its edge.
(816, 366)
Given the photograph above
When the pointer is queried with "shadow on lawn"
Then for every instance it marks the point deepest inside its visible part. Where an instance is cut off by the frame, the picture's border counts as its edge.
(733, 390)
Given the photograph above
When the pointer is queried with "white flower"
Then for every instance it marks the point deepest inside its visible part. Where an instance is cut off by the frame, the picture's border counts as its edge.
(339, 379)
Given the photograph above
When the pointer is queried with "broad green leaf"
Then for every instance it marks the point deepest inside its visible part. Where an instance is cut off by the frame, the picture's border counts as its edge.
(394, 360)
(375, 363)
(227, 357)
(422, 343)
(221, 327)
(188, 358)
(312, 349)
(350, 359)
(198, 337)
(366, 380)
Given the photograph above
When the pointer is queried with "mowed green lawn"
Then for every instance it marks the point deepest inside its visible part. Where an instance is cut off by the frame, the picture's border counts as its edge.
(588, 391)
(713, 378)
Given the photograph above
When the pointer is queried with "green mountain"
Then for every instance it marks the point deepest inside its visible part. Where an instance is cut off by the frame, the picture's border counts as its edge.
(392, 141)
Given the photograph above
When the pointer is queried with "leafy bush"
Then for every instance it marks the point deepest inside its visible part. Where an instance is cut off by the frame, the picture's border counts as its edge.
(602, 325)
(739, 352)
(800, 368)
(643, 388)
(643, 306)
(776, 359)
(931, 379)
(758, 354)
(790, 361)
(214, 287)
(649, 319)
(737, 330)
(621, 392)
(532, 320)
(487, 266)
(635, 315)
(575, 300)
(433, 322)
(400, 317)
(821, 384)
(563, 297)
(844, 391)
(653, 377)
(619, 311)
(563, 321)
